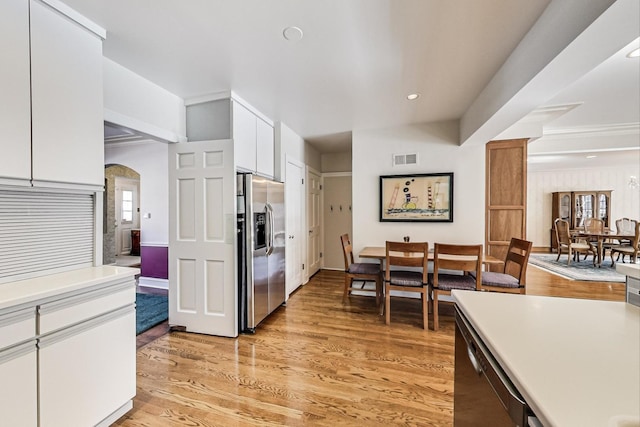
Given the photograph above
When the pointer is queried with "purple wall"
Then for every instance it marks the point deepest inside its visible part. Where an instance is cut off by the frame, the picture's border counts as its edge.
(154, 262)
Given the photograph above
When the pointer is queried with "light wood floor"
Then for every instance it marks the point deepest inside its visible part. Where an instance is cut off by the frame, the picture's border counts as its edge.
(316, 362)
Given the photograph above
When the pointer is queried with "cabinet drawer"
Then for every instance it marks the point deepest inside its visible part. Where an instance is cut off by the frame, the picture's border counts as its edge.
(72, 310)
(17, 326)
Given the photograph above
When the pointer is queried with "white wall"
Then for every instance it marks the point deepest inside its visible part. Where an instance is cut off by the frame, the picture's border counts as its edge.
(150, 160)
(625, 201)
(136, 103)
(438, 151)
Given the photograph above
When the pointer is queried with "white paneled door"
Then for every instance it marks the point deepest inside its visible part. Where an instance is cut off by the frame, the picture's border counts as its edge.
(294, 249)
(313, 221)
(202, 237)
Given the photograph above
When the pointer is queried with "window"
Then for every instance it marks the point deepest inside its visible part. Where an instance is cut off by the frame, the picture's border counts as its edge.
(127, 206)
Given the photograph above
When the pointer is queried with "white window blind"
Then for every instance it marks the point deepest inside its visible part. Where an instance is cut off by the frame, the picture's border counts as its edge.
(42, 233)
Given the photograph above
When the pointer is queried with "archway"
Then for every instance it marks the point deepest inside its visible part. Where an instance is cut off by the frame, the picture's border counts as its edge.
(121, 214)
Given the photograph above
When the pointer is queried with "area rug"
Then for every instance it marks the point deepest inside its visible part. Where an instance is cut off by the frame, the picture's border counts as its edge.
(581, 270)
(150, 311)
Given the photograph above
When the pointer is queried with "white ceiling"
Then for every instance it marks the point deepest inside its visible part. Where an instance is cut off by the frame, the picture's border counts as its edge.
(354, 66)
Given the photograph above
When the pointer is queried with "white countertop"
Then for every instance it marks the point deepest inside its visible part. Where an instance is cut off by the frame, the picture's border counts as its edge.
(631, 270)
(26, 291)
(575, 361)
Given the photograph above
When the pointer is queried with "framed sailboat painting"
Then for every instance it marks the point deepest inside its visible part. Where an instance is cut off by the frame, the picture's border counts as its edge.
(422, 197)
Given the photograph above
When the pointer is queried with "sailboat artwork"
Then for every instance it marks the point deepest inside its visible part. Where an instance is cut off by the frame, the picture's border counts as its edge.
(425, 197)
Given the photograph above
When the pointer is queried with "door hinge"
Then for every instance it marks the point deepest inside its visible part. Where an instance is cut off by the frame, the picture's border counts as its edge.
(320, 254)
(303, 266)
(302, 181)
(321, 186)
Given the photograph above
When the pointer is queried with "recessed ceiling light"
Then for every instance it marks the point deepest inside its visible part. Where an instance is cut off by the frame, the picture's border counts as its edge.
(591, 156)
(413, 96)
(634, 53)
(293, 34)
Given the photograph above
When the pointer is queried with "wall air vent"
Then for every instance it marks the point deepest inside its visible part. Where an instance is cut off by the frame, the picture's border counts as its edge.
(405, 159)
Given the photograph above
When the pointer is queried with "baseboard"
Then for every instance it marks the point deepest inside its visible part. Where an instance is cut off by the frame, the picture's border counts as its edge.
(152, 282)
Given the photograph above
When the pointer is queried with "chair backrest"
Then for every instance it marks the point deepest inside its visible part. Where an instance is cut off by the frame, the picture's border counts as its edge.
(625, 226)
(465, 258)
(593, 225)
(407, 254)
(347, 250)
(517, 259)
(562, 232)
(636, 239)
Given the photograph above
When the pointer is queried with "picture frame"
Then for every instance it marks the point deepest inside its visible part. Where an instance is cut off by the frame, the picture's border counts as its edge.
(416, 198)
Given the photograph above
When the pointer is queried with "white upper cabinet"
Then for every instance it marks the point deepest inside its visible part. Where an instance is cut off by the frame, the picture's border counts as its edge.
(15, 118)
(244, 137)
(67, 106)
(264, 148)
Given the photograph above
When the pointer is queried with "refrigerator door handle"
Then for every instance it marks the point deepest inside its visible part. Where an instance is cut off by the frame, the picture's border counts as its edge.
(269, 239)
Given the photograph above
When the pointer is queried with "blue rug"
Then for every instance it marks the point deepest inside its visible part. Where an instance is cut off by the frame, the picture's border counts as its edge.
(581, 270)
(150, 311)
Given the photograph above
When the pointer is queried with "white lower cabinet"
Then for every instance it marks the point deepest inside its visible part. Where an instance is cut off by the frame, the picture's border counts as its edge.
(88, 371)
(19, 390)
(68, 358)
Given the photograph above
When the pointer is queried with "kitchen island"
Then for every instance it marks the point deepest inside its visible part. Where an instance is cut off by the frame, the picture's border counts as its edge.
(574, 361)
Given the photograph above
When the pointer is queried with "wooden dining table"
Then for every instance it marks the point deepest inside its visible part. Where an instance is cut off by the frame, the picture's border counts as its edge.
(600, 237)
(379, 252)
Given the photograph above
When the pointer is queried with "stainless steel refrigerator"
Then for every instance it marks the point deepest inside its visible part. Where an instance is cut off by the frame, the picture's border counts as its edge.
(261, 248)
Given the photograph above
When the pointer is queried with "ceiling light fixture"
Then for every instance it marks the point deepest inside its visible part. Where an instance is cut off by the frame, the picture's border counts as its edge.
(413, 96)
(293, 34)
(634, 53)
(592, 156)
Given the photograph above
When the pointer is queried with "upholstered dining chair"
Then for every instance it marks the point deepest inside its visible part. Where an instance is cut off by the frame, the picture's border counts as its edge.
(625, 226)
(513, 277)
(461, 258)
(359, 272)
(400, 256)
(568, 245)
(632, 249)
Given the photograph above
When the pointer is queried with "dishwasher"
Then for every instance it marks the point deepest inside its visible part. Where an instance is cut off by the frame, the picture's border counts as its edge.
(483, 394)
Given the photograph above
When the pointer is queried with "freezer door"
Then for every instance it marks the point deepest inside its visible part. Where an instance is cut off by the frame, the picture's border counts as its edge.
(258, 292)
(277, 241)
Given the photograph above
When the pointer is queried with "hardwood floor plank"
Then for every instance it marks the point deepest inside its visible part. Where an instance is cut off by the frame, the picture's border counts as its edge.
(316, 362)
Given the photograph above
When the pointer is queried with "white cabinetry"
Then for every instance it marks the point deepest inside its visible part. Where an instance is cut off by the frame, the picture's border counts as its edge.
(244, 137)
(15, 118)
(51, 109)
(18, 368)
(68, 348)
(264, 148)
(253, 140)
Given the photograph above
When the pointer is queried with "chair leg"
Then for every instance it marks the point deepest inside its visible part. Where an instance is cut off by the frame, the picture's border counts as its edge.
(379, 295)
(347, 285)
(425, 310)
(436, 325)
(387, 304)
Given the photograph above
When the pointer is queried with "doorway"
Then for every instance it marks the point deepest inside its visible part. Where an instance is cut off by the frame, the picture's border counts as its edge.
(121, 215)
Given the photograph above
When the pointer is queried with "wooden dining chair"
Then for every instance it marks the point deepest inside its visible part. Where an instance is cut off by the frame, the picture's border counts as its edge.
(464, 259)
(400, 256)
(359, 272)
(513, 277)
(633, 250)
(624, 226)
(568, 245)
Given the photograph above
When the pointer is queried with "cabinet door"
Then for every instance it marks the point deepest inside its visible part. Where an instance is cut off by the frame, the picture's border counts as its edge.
(244, 137)
(67, 107)
(88, 371)
(18, 389)
(264, 148)
(15, 115)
